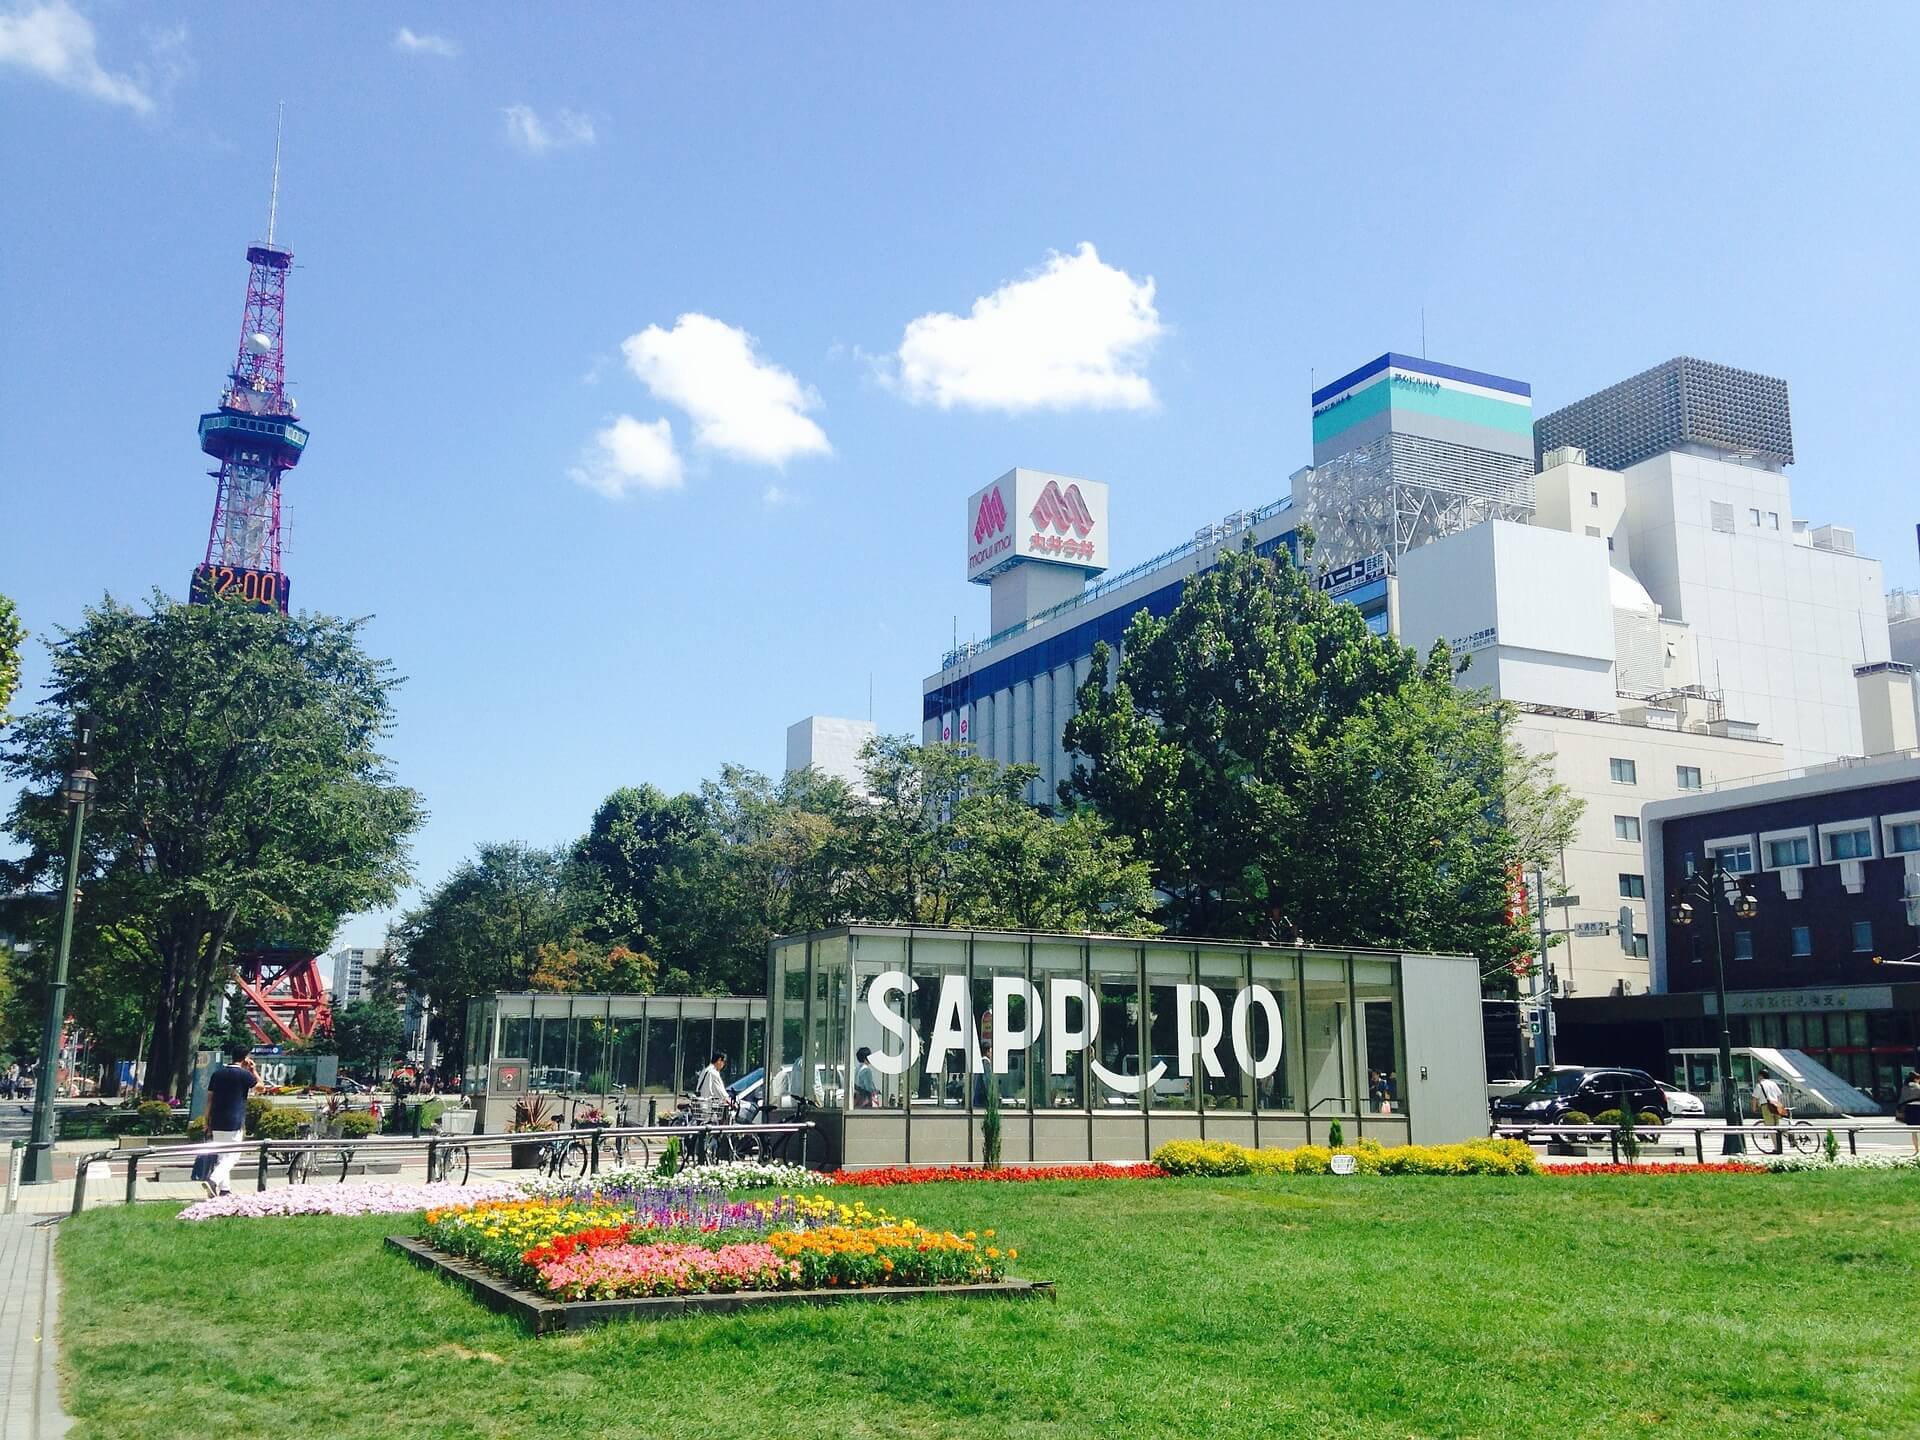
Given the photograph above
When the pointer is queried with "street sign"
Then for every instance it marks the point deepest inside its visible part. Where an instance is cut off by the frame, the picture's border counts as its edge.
(1593, 927)
(1562, 902)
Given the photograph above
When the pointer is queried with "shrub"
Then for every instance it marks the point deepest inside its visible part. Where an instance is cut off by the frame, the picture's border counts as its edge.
(125, 1122)
(1832, 1148)
(257, 1107)
(1608, 1118)
(1647, 1117)
(1472, 1157)
(156, 1117)
(1336, 1137)
(670, 1157)
(353, 1124)
(197, 1128)
(1576, 1117)
(280, 1122)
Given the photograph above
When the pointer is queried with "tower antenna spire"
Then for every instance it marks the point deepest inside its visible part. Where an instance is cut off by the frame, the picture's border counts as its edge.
(273, 196)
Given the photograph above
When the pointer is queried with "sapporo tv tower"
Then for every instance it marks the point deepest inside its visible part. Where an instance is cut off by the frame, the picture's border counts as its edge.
(255, 437)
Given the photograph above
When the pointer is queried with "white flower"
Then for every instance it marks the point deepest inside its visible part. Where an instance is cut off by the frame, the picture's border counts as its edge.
(377, 1199)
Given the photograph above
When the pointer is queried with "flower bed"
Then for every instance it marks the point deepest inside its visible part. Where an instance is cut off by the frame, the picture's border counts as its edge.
(615, 1244)
(1721, 1167)
(937, 1174)
(722, 1175)
(1471, 1157)
(344, 1200)
(1795, 1164)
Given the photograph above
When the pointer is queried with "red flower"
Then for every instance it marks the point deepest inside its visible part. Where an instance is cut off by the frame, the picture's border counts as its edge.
(934, 1174)
(561, 1246)
(1722, 1167)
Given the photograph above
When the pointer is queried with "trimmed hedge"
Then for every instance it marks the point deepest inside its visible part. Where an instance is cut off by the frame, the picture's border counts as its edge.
(353, 1124)
(1472, 1157)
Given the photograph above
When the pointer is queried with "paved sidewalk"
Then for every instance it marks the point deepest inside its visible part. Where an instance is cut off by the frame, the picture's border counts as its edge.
(29, 1311)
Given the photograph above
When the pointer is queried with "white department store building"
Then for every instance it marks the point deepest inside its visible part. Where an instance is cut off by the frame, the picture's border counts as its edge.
(1661, 626)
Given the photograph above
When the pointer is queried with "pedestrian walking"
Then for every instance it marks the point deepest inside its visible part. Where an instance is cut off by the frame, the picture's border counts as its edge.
(866, 1084)
(10, 1086)
(1907, 1107)
(227, 1090)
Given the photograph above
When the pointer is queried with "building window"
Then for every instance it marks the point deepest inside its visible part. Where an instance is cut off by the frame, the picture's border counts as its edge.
(1640, 946)
(1735, 858)
(1783, 854)
(1593, 532)
(1773, 519)
(1863, 937)
(1802, 941)
(1743, 944)
(1633, 887)
(1593, 499)
(1609, 542)
(1626, 827)
(1848, 844)
(1687, 777)
(1624, 772)
(1753, 517)
(1720, 517)
(1903, 837)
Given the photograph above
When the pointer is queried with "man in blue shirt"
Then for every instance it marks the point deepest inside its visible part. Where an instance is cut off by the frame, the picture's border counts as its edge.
(227, 1091)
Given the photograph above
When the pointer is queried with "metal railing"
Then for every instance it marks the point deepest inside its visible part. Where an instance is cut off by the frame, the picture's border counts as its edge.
(285, 1154)
(1652, 1134)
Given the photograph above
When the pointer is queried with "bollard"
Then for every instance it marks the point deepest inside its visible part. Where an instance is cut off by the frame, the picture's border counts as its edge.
(260, 1182)
(593, 1155)
(1699, 1146)
(133, 1174)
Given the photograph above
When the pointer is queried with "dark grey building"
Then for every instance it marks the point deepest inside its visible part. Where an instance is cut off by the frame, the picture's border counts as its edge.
(1680, 403)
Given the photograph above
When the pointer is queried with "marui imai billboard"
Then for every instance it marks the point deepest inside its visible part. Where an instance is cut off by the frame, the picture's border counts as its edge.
(1031, 515)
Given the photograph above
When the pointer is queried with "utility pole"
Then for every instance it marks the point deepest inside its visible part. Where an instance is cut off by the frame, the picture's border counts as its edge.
(78, 789)
(1542, 976)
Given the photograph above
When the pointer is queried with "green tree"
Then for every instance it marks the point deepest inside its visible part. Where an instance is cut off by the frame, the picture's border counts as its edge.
(1287, 773)
(367, 1035)
(482, 929)
(632, 860)
(242, 799)
(12, 636)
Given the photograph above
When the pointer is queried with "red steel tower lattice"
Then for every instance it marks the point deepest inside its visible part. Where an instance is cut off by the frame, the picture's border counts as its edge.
(256, 438)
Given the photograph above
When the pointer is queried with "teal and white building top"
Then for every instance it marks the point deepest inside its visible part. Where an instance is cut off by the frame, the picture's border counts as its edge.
(1400, 394)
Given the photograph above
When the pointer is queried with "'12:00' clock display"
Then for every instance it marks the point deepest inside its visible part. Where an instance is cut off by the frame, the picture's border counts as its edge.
(262, 589)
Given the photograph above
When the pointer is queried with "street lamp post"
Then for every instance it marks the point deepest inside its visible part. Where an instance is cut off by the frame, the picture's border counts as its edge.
(81, 783)
(1710, 884)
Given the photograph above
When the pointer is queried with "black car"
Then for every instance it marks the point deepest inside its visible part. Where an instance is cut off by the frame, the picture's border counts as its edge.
(1590, 1090)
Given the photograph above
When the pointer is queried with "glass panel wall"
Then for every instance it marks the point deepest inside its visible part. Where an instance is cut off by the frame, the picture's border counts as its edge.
(1005, 1017)
(879, 1050)
(1223, 1068)
(828, 1083)
(1382, 1049)
(1330, 1088)
(696, 1042)
(1115, 973)
(1060, 1048)
(1282, 1078)
(627, 1038)
(792, 1023)
(516, 1028)
(938, 1078)
(1170, 1079)
(662, 1071)
(552, 1057)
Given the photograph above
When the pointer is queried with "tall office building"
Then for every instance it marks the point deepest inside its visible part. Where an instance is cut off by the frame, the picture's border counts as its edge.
(832, 746)
(351, 967)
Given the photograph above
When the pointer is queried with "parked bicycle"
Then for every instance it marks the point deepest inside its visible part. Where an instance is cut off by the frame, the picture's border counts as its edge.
(1801, 1136)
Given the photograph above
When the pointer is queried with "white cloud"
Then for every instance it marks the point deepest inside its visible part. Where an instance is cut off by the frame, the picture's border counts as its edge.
(1076, 333)
(631, 455)
(57, 42)
(415, 44)
(536, 136)
(775, 496)
(740, 405)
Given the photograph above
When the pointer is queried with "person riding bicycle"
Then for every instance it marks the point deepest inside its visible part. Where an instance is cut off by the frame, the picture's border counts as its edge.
(1769, 1099)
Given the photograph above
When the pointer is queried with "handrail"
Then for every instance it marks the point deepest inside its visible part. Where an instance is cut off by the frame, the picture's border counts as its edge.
(1699, 1131)
(591, 1135)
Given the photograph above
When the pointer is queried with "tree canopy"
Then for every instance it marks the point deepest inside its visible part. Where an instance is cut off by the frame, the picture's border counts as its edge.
(12, 636)
(242, 798)
(1287, 773)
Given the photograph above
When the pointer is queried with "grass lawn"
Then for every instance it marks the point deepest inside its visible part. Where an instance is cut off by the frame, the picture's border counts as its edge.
(1676, 1306)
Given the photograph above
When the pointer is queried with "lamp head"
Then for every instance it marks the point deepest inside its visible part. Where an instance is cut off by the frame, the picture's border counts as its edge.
(1682, 913)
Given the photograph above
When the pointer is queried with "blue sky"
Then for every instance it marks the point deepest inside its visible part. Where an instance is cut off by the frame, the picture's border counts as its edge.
(608, 544)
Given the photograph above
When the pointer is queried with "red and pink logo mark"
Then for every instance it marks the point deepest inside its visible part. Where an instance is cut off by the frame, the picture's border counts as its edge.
(1061, 511)
(992, 518)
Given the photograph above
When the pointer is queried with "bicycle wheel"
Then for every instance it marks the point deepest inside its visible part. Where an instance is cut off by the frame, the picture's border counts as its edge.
(1804, 1138)
(453, 1164)
(571, 1162)
(300, 1167)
